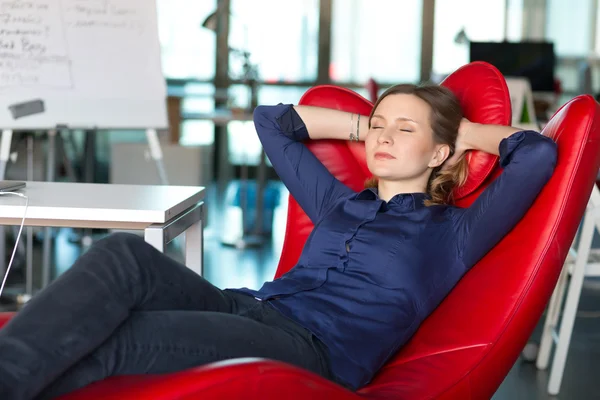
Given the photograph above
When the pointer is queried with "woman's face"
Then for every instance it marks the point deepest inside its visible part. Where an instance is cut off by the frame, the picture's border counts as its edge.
(399, 145)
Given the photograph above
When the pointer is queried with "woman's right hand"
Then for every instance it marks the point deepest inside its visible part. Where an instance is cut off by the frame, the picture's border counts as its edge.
(462, 143)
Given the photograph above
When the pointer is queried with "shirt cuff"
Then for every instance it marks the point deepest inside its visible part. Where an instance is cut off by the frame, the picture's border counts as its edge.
(291, 124)
(510, 144)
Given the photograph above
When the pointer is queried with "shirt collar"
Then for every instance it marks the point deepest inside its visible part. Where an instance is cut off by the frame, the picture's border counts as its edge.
(406, 200)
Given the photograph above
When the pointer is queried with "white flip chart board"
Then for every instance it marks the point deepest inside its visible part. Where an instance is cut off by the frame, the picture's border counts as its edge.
(92, 63)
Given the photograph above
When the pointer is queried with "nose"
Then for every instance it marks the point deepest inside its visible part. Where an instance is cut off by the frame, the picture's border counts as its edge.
(384, 137)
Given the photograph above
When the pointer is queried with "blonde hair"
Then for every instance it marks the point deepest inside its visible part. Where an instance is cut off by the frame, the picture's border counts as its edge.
(446, 115)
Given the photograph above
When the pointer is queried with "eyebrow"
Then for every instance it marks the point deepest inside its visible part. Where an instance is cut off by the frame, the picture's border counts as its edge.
(397, 119)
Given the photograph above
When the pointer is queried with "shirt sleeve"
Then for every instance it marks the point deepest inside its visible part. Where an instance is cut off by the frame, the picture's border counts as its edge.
(281, 132)
(528, 159)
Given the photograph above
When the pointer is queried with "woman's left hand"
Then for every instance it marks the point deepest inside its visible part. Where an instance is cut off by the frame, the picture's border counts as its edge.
(461, 143)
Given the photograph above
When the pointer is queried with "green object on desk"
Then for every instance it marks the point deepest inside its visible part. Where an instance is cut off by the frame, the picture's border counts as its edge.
(525, 116)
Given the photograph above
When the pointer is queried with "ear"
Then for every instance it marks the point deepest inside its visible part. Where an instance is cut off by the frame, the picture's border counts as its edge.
(440, 155)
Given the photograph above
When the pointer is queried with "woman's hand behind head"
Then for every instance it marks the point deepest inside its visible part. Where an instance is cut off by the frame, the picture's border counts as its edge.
(462, 144)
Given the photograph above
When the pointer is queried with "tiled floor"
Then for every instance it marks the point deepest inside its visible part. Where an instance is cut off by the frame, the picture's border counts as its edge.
(229, 267)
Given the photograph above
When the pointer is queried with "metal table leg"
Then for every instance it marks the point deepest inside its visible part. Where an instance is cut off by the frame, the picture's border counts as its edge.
(156, 237)
(190, 222)
(194, 248)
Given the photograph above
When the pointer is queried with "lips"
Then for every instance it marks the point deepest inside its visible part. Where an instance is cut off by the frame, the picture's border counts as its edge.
(380, 155)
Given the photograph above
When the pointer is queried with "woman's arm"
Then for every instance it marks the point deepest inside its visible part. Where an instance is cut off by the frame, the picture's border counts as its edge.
(484, 137)
(326, 123)
(528, 159)
(281, 131)
(474, 136)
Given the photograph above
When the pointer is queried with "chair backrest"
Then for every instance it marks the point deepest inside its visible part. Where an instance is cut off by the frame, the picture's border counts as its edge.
(467, 346)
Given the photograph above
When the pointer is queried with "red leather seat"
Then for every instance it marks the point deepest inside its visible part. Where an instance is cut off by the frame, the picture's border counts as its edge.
(467, 346)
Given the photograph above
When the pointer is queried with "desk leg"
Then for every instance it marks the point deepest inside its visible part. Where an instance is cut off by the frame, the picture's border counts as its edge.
(194, 248)
(191, 223)
(155, 237)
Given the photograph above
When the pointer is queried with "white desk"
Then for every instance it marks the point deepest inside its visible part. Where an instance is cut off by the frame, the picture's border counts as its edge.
(163, 212)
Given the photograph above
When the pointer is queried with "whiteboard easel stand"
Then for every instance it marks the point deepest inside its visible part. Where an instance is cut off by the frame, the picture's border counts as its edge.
(29, 244)
(50, 177)
(5, 142)
(157, 155)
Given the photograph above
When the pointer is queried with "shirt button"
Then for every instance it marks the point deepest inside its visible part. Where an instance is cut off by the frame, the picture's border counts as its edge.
(348, 247)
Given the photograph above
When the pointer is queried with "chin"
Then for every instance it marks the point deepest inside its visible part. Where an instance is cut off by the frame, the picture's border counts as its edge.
(382, 173)
(378, 169)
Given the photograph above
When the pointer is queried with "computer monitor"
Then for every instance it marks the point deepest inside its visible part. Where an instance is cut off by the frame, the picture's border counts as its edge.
(532, 60)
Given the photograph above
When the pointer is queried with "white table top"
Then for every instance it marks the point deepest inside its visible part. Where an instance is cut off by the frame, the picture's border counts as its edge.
(98, 205)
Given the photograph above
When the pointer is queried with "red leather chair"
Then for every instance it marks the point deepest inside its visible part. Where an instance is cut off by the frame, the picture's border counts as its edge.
(467, 346)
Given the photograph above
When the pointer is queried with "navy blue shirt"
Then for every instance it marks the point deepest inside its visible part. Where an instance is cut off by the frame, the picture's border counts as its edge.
(371, 271)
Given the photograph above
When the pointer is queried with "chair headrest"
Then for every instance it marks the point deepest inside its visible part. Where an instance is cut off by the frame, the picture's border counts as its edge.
(484, 97)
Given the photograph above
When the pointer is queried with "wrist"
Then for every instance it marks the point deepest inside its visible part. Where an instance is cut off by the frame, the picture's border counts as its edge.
(466, 134)
(355, 132)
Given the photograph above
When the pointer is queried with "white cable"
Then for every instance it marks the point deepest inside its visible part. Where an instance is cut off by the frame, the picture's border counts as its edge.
(18, 235)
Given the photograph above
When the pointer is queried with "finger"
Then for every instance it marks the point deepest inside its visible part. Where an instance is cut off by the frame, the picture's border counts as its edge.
(449, 163)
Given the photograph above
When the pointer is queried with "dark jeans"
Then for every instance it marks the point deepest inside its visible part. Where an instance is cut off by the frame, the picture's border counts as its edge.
(125, 308)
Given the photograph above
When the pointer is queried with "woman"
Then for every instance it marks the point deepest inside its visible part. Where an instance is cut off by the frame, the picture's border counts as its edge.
(376, 265)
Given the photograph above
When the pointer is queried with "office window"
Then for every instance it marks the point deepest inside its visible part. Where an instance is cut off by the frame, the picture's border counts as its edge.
(197, 99)
(281, 36)
(480, 20)
(514, 20)
(570, 38)
(597, 22)
(188, 50)
(378, 39)
(281, 94)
